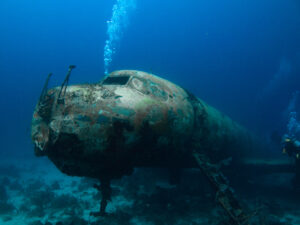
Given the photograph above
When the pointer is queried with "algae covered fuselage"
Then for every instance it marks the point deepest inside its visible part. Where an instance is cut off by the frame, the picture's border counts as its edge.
(131, 119)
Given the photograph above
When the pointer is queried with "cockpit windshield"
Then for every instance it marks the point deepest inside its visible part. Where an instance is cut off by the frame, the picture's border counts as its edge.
(118, 80)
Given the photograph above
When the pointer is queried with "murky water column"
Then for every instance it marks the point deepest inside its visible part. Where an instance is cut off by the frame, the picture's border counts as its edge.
(293, 126)
(115, 27)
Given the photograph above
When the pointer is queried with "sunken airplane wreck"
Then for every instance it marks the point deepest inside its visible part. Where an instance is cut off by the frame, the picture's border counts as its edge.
(136, 119)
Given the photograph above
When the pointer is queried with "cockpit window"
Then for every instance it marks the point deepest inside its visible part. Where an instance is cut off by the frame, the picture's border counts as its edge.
(119, 80)
(149, 87)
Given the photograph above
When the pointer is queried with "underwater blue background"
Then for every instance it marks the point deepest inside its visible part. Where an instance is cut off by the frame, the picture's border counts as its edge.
(241, 56)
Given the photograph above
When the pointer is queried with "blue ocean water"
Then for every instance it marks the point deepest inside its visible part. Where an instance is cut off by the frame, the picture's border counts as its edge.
(227, 53)
(241, 56)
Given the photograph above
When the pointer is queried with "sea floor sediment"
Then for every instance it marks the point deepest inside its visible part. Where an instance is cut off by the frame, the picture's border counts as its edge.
(34, 192)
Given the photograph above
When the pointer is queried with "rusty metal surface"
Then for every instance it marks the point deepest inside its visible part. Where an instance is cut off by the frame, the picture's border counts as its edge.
(133, 119)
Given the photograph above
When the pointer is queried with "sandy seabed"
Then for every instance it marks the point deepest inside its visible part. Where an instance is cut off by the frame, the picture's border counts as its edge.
(34, 192)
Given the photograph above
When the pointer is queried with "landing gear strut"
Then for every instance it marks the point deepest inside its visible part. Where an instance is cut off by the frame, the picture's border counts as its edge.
(105, 190)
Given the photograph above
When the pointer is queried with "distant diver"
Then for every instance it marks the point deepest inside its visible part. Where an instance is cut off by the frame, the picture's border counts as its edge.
(291, 147)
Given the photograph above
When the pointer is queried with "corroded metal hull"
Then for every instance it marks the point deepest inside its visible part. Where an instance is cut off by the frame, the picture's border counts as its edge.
(131, 119)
